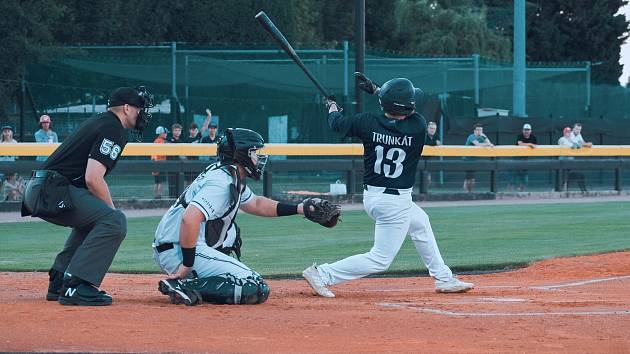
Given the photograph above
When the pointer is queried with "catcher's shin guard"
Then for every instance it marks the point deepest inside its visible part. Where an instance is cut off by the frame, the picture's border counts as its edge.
(228, 289)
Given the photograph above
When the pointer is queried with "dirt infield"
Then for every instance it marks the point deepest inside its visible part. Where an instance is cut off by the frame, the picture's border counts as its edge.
(564, 305)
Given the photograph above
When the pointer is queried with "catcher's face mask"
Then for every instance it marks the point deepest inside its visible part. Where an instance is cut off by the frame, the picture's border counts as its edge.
(259, 162)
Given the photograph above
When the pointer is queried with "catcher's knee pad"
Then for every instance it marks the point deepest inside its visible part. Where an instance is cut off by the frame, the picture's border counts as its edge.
(229, 289)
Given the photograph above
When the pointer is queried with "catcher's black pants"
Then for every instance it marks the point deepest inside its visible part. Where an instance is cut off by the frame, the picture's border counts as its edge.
(97, 232)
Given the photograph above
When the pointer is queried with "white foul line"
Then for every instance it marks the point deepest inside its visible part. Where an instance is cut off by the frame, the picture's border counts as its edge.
(538, 287)
(488, 314)
(578, 283)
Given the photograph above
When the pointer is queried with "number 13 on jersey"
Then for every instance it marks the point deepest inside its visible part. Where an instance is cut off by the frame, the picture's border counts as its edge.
(386, 168)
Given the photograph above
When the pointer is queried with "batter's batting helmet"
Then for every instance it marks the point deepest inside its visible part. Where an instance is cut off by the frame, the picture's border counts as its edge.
(237, 145)
(398, 97)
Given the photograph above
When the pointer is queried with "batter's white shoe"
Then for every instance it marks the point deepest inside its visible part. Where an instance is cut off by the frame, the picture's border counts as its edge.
(452, 285)
(311, 274)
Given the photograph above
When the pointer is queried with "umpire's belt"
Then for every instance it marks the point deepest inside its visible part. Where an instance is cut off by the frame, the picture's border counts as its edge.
(164, 247)
(392, 191)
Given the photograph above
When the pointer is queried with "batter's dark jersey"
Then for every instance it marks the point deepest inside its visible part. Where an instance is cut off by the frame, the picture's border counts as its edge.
(101, 138)
(391, 147)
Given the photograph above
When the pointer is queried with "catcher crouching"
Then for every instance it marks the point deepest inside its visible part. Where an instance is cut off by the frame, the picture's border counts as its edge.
(197, 235)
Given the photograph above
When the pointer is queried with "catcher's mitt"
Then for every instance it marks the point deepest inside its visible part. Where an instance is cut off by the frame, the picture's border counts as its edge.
(321, 211)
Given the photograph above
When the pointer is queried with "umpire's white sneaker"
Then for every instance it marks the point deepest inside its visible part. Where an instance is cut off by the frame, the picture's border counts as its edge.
(452, 285)
(311, 274)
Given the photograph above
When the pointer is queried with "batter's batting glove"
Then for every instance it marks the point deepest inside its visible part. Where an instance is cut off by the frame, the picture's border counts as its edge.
(331, 103)
(366, 84)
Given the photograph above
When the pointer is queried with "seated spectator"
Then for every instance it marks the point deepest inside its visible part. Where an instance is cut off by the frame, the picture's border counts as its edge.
(7, 138)
(477, 138)
(159, 177)
(567, 175)
(45, 134)
(526, 138)
(13, 188)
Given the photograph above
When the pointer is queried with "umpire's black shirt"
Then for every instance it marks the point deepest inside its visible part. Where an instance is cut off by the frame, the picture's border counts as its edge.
(101, 138)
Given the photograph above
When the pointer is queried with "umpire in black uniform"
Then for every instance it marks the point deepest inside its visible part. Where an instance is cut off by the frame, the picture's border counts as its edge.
(70, 190)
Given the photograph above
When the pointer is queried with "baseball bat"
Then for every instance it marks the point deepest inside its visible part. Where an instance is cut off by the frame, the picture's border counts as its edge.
(279, 38)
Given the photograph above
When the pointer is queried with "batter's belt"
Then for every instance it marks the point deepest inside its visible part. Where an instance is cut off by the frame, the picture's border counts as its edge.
(392, 191)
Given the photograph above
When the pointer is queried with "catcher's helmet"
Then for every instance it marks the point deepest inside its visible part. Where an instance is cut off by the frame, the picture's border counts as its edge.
(237, 146)
(398, 97)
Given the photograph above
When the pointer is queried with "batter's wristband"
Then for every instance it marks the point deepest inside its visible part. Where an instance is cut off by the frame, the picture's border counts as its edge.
(286, 209)
(189, 256)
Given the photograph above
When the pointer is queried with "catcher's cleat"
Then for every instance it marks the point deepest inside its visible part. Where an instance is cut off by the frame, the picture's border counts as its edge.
(453, 285)
(178, 295)
(311, 274)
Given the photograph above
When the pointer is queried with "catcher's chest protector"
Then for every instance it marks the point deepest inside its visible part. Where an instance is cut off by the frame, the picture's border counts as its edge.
(216, 230)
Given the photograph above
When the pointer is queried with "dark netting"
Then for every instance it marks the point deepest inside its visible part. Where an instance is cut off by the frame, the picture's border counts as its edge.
(245, 87)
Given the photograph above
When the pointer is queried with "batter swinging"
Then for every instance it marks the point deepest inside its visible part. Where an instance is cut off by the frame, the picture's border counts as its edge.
(392, 143)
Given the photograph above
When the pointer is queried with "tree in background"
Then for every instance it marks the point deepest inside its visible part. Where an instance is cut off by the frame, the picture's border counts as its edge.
(26, 38)
(569, 30)
(579, 30)
(426, 27)
(192, 21)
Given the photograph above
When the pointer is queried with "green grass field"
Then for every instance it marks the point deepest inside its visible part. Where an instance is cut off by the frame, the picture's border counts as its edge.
(470, 238)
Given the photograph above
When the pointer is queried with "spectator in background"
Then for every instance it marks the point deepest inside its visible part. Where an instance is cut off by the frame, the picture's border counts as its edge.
(477, 138)
(173, 177)
(567, 140)
(194, 137)
(213, 134)
(7, 138)
(45, 134)
(13, 188)
(526, 138)
(204, 127)
(576, 137)
(159, 177)
(176, 137)
(433, 139)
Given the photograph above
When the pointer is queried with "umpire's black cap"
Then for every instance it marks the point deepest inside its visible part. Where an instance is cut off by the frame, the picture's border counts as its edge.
(125, 95)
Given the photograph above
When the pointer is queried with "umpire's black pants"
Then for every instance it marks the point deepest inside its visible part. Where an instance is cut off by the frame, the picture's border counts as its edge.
(97, 232)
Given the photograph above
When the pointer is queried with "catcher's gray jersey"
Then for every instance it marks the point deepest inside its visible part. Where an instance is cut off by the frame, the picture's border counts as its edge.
(210, 192)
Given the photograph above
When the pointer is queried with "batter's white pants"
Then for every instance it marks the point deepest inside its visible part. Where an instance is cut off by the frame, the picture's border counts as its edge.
(395, 216)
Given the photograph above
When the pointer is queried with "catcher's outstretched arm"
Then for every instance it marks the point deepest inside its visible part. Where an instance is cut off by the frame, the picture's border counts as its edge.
(263, 206)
